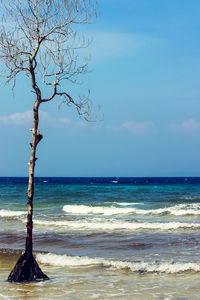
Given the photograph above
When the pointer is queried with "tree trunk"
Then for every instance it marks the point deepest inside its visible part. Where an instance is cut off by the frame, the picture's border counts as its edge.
(26, 268)
(30, 191)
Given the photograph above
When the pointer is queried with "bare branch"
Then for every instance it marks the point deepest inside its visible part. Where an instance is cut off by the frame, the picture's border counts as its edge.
(41, 42)
(83, 107)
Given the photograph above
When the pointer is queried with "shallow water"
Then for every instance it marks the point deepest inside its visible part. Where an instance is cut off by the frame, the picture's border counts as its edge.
(106, 238)
(99, 283)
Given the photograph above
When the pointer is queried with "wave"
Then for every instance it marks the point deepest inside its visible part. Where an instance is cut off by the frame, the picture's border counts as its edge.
(141, 267)
(177, 210)
(11, 213)
(4, 297)
(128, 203)
(117, 225)
(84, 210)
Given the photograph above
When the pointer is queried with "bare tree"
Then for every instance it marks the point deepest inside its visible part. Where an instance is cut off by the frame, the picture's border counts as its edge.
(39, 38)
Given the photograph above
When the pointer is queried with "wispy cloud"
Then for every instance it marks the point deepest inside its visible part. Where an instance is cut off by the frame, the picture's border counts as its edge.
(108, 45)
(188, 126)
(135, 127)
(25, 119)
(17, 118)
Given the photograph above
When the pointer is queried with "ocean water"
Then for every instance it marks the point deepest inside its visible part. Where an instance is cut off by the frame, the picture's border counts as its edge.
(104, 238)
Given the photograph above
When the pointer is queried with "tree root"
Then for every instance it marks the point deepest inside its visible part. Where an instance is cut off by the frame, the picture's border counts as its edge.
(26, 269)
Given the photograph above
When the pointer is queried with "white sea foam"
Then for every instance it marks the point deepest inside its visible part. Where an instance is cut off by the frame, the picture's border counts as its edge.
(183, 209)
(117, 225)
(177, 210)
(84, 210)
(11, 213)
(154, 267)
(4, 297)
(128, 203)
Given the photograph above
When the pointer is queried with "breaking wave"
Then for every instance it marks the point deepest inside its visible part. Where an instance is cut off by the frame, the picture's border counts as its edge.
(128, 203)
(141, 267)
(117, 225)
(11, 213)
(84, 210)
(177, 210)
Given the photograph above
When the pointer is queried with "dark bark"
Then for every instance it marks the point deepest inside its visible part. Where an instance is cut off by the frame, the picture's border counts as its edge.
(26, 268)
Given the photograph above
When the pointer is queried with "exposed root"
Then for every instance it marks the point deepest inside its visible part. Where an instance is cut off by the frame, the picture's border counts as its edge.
(26, 269)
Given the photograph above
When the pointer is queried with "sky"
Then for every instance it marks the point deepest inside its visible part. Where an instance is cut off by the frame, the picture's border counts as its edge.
(144, 74)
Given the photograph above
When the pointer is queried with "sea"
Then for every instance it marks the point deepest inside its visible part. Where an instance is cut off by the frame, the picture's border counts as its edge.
(104, 238)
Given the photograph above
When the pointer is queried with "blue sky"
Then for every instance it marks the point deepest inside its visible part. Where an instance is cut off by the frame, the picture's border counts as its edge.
(145, 74)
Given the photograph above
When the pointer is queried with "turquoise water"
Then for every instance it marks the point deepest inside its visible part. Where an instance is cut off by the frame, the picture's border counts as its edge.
(116, 227)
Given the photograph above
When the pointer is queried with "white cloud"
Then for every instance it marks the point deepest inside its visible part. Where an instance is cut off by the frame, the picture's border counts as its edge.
(22, 118)
(135, 127)
(26, 118)
(16, 118)
(187, 126)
